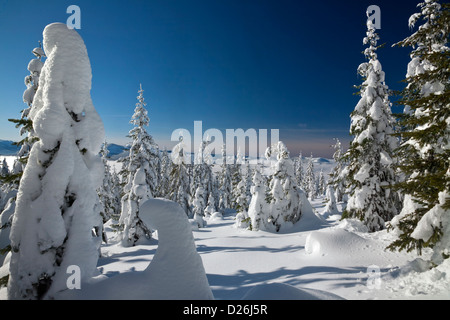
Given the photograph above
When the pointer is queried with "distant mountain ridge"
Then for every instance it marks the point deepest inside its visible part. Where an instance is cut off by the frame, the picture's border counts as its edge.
(7, 148)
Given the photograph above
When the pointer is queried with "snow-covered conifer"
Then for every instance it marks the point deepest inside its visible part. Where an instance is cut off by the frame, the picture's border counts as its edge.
(32, 84)
(164, 182)
(199, 205)
(211, 206)
(331, 206)
(285, 204)
(335, 179)
(107, 197)
(4, 172)
(321, 188)
(299, 170)
(310, 179)
(236, 177)
(258, 207)
(179, 188)
(371, 154)
(425, 149)
(57, 219)
(225, 184)
(142, 176)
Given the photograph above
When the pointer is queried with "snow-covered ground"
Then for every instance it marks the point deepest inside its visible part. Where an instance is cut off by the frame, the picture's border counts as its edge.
(319, 258)
(329, 259)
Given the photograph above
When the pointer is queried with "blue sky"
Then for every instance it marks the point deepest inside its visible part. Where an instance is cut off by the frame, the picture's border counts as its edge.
(263, 64)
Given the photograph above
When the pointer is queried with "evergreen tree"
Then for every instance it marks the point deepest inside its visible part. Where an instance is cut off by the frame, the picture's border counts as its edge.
(331, 206)
(370, 156)
(144, 150)
(108, 198)
(4, 172)
(335, 180)
(225, 185)
(211, 206)
(199, 205)
(179, 188)
(424, 220)
(117, 194)
(299, 170)
(258, 205)
(321, 188)
(164, 181)
(285, 204)
(236, 177)
(25, 123)
(142, 175)
(310, 179)
(202, 171)
(57, 219)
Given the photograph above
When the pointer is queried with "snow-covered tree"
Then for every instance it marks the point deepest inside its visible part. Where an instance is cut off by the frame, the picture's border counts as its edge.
(144, 151)
(108, 198)
(25, 124)
(335, 179)
(164, 181)
(425, 149)
(179, 188)
(202, 171)
(57, 219)
(310, 179)
(211, 206)
(117, 194)
(299, 170)
(370, 156)
(331, 206)
(4, 172)
(142, 176)
(321, 188)
(240, 194)
(225, 185)
(258, 208)
(236, 177)
(199, 205)
(285, 203)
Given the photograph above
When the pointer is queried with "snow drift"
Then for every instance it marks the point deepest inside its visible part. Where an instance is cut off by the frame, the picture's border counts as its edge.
(335, 242)
(175, 273)
(282, 291)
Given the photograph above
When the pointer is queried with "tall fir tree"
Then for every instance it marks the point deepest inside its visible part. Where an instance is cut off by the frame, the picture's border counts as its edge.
(142, 176)
(425, 149)
(371, 154)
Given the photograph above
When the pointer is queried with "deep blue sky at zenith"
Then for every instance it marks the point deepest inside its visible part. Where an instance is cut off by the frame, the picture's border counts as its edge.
(263, 64)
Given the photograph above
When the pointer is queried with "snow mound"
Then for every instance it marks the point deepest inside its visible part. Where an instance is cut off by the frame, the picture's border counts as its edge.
(216, 216)
(353, 225)
(282, 291)
(334, 242)
(176, 271)
(310, 219)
